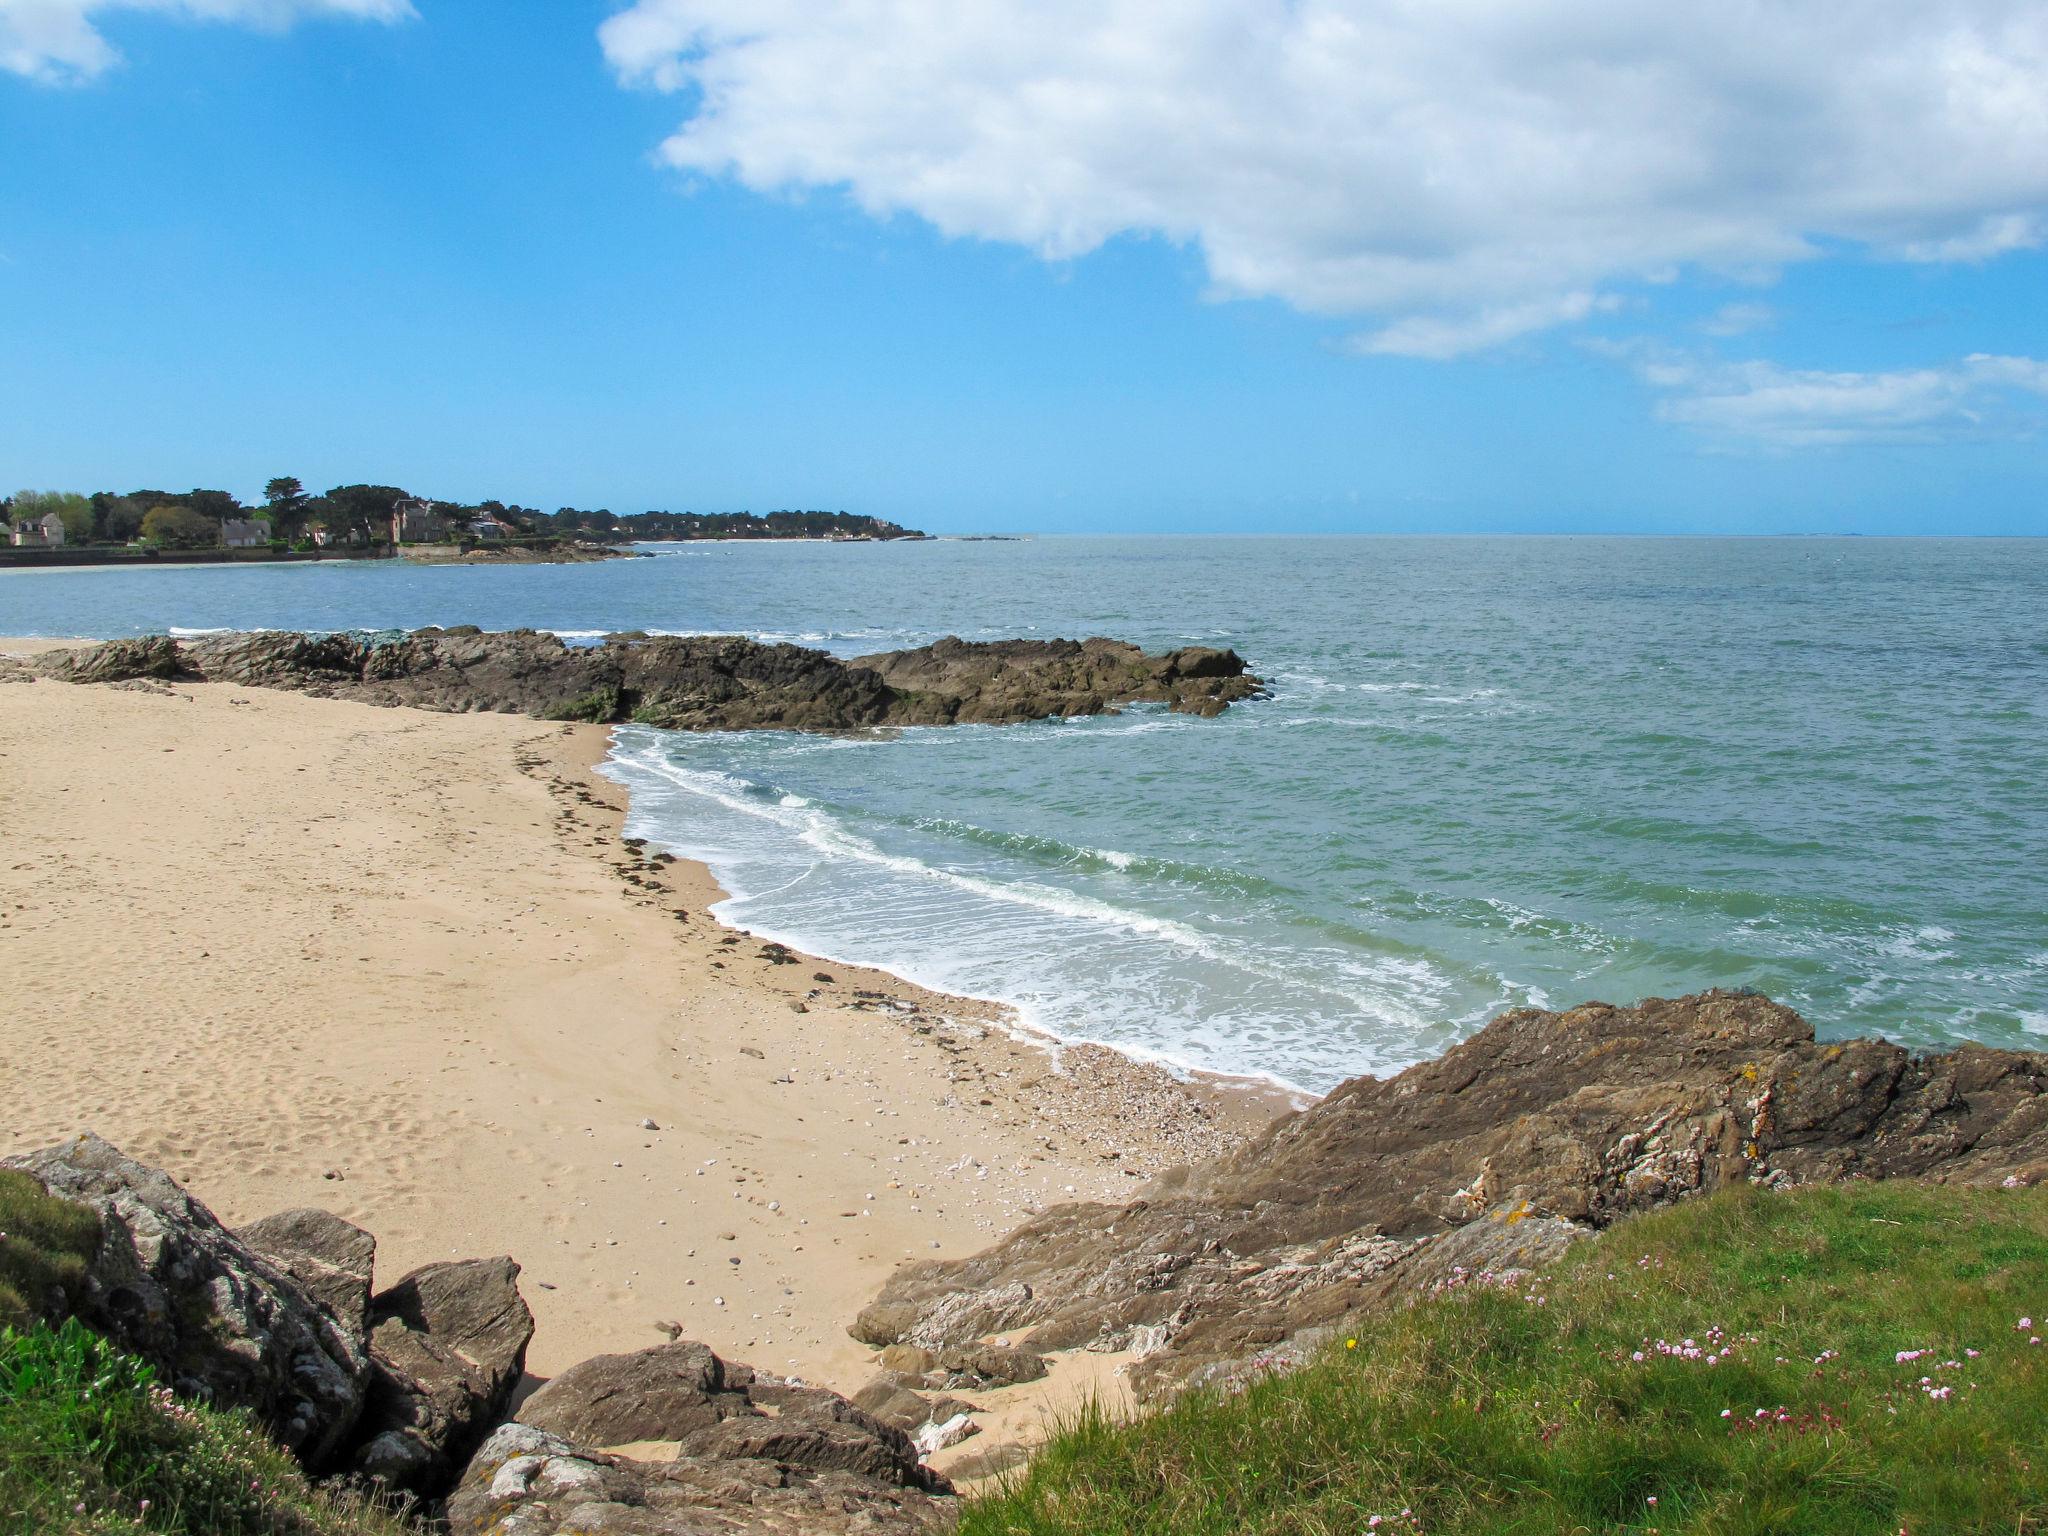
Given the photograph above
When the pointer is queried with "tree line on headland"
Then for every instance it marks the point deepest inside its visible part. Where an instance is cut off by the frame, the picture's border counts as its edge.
(360, 516)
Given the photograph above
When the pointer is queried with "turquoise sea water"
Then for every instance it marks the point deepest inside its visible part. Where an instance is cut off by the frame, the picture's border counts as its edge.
(1493, 771)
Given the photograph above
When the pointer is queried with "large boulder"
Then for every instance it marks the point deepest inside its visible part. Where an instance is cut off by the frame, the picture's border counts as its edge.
(333, 1259)
(750, 1454)
(701, 682)
(1541, 1128)
(527, 1482)
(218, 1320)
(447, 1348)
(720, 1410)
(155, 657)
(662, 1393)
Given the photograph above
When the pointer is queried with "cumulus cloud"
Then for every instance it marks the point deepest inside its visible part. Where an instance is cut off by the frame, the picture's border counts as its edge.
(59, 41)
(1763, 404)
(1462, 171)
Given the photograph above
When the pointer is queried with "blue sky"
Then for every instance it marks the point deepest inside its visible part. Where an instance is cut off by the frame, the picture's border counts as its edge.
(1191, 265)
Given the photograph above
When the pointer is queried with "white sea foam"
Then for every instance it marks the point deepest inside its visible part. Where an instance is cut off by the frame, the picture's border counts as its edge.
(1182, 991)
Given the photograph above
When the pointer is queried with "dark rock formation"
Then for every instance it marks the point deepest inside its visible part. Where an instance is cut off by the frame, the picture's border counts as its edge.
(118, 661)
(1004, 680)
(527, 1482)
(331, 1258)
(753, 1454)
(695, 683)
(447, 1347)
(218, 1320)
(989, 1365)
(662, 1393)
(1541, 1128)
(683, 1392)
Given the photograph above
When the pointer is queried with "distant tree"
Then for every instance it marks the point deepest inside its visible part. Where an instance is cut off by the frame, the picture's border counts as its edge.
(363, 510)
(285, 500)
(218, 505)
(116, 519)
(176, 527)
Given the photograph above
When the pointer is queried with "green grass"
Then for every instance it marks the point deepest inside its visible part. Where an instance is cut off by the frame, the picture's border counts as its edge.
(1488, 1410)
(90, 1445)
(45, 1246)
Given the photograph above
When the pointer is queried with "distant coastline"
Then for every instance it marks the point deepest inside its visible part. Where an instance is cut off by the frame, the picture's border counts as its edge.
(201, 526)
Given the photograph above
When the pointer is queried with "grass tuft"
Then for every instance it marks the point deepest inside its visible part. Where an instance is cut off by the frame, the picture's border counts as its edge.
(1863, 1360)
(45, 1246)
(91, 1445)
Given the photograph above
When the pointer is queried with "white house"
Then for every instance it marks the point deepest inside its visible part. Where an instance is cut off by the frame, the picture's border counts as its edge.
(42, 533)
(245, 533)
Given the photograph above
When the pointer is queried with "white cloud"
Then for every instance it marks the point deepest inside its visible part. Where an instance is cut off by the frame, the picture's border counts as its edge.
(1447, 336)
(1465, 165)
(59, 41)
(1760, 403)
(1739, 319)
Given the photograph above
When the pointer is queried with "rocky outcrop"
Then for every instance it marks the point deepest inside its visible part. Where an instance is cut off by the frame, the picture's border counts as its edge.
(447, 1348)
(685, 683)
(333, 1259)
(1004, 680)
(514, 554)
(751, 1453)
(662, 1393)
(1541, 1128)
(682, 1392)
(220, 1322)
(527, 1482)
(118, 661)
(279, 1318)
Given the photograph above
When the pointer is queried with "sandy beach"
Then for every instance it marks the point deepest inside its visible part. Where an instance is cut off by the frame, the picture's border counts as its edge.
(401, 966)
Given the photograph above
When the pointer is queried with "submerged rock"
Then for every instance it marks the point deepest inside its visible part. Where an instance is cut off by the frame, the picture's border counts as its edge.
(220, 1322)
(1495, 1157)
(685, 682)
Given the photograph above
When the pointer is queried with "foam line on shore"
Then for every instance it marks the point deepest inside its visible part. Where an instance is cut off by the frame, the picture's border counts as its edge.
(1390, 995)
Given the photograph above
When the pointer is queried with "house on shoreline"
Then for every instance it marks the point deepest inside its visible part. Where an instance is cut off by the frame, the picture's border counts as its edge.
(245, 533)
(416, 522)
(45, 532)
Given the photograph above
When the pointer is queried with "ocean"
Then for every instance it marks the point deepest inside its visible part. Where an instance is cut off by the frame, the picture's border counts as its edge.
(1493, 772)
